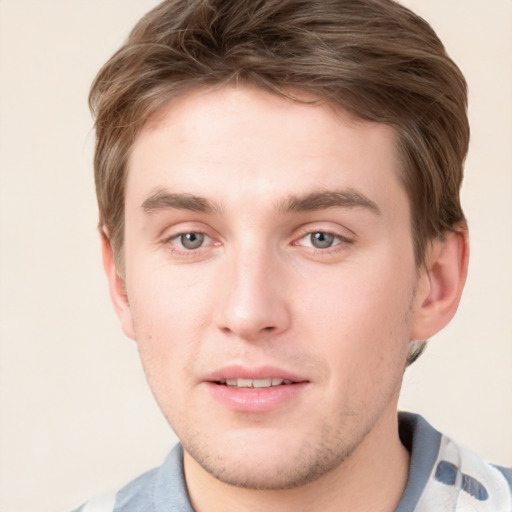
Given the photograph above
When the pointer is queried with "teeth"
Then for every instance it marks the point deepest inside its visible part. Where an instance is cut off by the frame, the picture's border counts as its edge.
(261, 383)
(244, 383)
(255, 383)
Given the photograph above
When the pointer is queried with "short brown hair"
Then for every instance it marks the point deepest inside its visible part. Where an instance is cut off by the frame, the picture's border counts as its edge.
(375, 58)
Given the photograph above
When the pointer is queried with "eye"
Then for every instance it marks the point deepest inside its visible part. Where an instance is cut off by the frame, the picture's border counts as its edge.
(190, 241)
(321, 240)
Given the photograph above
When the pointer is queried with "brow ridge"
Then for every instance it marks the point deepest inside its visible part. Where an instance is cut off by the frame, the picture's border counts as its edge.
(162, 199)
(320, 200)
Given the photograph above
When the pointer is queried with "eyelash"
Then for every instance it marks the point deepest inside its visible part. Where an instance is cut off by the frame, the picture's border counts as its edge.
(342, 241)
(183, 252)
(175, 238)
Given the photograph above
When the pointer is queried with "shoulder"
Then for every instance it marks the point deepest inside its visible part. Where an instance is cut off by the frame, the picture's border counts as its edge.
(457, 479)
(161, 486)
(100, 503)
(468, 481)
(507, 473)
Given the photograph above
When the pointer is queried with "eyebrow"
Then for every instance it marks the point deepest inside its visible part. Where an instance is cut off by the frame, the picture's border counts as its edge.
(320, 200)
(162, 199)
(347, 198)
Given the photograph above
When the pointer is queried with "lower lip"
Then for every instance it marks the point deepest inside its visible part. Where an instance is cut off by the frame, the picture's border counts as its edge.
(255, 399)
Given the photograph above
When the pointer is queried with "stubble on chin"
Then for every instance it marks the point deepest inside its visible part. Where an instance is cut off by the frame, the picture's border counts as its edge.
(283, 470)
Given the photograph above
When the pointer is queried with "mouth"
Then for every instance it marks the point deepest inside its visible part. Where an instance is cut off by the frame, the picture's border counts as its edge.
(254, 383)
(255, 390)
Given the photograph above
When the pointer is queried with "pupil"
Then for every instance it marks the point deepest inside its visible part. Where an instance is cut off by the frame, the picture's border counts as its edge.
(192, 240)
(322, 240)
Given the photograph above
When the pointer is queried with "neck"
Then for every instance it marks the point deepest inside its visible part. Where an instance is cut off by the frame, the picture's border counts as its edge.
(372, 478)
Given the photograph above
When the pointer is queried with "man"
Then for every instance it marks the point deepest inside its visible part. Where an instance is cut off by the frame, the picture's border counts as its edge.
(278, 184)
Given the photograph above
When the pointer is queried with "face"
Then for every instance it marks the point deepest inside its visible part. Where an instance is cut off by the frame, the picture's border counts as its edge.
(270, 281)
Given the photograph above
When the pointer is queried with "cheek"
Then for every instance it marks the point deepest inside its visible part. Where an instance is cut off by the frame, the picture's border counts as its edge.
(366, 352)
(167, 299)
(368, 299)
(165, 335)
(169, 315)
(360, 319)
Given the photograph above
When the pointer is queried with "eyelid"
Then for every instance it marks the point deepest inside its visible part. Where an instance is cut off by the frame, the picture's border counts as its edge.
(172, 229)
(169, 239)
(333, 231)
(338, 240)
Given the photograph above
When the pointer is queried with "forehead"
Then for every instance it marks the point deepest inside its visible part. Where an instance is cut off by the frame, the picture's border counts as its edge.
(241, 141)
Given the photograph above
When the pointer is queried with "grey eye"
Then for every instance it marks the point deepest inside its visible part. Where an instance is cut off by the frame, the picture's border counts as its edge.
(321, 240)
(192, 240)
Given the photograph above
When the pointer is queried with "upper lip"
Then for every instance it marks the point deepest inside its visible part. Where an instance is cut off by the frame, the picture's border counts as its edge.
(254, 373)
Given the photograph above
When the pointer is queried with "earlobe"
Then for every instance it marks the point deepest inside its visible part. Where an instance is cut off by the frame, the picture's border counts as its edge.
(117, 288)
(441, 283)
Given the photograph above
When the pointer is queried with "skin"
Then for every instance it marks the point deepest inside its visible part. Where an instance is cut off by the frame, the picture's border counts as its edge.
(236, 168)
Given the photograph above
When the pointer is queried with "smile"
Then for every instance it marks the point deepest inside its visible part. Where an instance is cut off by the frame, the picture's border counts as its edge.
(254, 383)
(255, 390)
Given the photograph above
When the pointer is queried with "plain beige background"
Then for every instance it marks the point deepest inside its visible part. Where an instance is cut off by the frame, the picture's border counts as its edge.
(76, 414)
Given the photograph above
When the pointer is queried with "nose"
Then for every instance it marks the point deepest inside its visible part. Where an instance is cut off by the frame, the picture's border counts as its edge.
(254, 302)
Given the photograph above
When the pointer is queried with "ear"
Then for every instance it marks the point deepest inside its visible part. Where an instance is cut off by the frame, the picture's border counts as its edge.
(441, 283)
(117, 288)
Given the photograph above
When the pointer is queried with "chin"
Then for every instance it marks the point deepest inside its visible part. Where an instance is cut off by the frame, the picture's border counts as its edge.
(272, 464)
